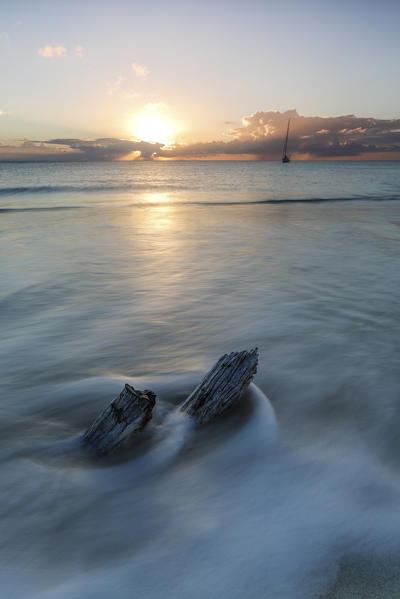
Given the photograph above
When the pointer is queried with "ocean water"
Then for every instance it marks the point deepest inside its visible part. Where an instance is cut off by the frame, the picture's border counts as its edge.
(148, 272)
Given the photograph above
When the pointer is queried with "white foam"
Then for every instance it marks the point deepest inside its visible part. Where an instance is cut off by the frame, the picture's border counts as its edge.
(245, 518)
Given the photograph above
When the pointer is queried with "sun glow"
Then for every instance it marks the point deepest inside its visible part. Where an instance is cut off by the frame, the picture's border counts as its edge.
(153, 128)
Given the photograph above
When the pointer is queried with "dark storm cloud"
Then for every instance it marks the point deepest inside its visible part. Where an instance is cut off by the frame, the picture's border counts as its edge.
(261, 136)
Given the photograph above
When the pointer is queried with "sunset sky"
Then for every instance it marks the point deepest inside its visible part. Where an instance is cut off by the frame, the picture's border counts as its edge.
(94, 79)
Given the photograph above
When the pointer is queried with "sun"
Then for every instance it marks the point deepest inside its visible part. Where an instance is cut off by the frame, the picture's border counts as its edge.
(153, 128)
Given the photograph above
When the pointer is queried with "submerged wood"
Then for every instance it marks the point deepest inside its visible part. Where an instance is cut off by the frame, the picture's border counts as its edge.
(125, 416)
(223, 386)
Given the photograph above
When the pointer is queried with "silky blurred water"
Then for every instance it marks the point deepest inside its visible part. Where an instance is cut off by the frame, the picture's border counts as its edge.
(147, 273)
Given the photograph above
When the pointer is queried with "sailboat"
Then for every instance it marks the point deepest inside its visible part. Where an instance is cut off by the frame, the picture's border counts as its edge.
(285, 157)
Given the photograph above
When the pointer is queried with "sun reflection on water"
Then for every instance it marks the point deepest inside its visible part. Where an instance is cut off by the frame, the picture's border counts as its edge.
(156, 197)
(159, 210)
(162, 216)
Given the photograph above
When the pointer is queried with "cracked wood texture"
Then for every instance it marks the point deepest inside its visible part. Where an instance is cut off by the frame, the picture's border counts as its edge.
(125, 416)
(223, 386)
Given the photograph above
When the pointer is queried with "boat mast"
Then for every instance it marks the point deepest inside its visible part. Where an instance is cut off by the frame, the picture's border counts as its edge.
(286, 140)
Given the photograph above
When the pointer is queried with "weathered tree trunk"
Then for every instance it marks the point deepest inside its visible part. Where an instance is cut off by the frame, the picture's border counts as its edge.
(124, 417)
(223, 386)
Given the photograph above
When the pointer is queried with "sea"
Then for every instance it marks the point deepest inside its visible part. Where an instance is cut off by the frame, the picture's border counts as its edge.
(148, 272)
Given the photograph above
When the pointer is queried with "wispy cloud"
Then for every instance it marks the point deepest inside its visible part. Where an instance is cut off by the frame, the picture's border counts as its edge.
(130, 95)
(156, 106)
(140, 70)
(51, 51)
(5, 39)
(78, 50)
(114, 86)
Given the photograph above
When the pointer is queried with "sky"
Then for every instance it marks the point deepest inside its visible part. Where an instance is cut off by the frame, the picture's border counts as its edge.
(122, 79)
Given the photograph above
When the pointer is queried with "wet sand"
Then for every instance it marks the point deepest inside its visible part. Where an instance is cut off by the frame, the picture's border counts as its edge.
(366, 579)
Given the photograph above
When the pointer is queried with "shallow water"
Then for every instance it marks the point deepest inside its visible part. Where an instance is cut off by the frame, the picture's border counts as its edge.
(148, 273)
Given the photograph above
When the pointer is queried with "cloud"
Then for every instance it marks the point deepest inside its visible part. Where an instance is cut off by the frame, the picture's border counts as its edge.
(5, 39)
(115, 85)
(140, 70)
(156, 106)
(1, 112)
(82, 150)
(107, 148)
(260, 137)
(28, 143)
(78, 50)
(50, 51)
(262, 133)
(130, 95)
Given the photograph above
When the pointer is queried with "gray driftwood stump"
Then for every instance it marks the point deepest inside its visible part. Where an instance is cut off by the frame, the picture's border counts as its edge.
(125, 416)
(223, 386)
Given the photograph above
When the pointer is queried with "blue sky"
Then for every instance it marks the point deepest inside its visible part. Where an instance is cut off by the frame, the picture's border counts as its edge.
(206, 65)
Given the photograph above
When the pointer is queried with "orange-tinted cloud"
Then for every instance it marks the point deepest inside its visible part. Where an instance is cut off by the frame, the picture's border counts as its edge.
(140, 70)
(261, 137)
(51, 51)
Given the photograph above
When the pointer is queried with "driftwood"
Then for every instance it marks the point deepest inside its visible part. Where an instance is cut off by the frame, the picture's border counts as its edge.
(125, 416)
(223, 386)
(129, 413)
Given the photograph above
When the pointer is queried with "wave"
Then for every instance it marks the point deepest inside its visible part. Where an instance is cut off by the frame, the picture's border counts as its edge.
(54, 189)
(47, 189)
(323, 200)
(38, 189)
(272, 201)
(38, 209)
